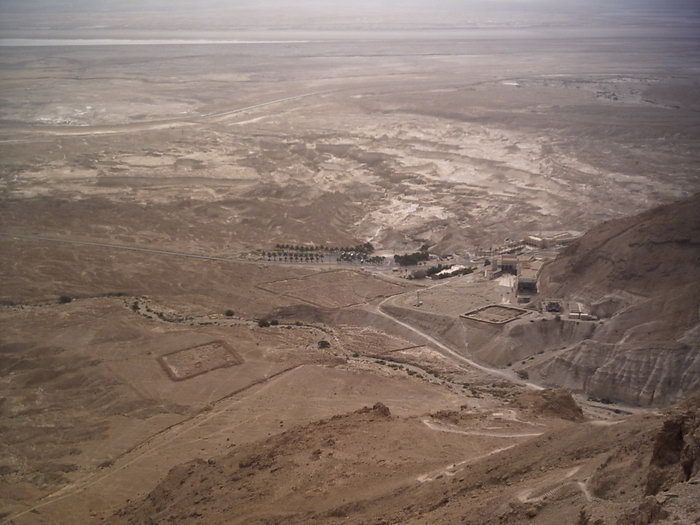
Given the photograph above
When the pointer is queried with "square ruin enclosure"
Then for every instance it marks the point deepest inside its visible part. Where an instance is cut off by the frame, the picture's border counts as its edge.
(197, 360)
(495, 314)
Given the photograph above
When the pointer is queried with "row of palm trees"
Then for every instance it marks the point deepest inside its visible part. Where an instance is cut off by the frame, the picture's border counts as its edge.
(365, 248)
(350, 256)
(293, 256)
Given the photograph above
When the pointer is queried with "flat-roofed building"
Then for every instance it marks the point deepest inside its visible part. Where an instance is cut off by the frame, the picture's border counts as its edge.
(528, 274)
(579, 310)
(508, 263)
(550, 239)
(527, 281)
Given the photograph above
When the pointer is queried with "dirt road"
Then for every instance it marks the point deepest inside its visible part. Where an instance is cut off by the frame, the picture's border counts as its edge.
(119, 247)
(442, 348)
(442, 428)
(165, 123)
(452, 354)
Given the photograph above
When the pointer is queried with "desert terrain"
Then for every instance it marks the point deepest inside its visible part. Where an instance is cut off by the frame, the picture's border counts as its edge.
(159, 365)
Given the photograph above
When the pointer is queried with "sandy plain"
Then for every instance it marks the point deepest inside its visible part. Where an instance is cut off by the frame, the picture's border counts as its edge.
(394, 141)
(457, 141)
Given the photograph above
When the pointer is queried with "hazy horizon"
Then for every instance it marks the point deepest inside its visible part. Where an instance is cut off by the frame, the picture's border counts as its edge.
(219, 15)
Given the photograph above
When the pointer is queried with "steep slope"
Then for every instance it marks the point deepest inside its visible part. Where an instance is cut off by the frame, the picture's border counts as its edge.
(647, 255)
(641, 275)
(639, 470)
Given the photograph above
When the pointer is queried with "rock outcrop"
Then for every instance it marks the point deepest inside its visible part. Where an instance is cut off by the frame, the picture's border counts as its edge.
(676, 454)
(552, 403)
(655, 374)
(641, 275)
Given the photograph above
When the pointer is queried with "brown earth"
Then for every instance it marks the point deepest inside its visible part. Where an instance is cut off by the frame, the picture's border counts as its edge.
(642, 275)
(645, 348)
(553, 403)
(648, 255)
(90, 418)
(454, 140)
(636, 470)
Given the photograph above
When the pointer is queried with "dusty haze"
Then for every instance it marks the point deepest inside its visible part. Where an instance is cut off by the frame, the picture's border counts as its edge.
(194, 327)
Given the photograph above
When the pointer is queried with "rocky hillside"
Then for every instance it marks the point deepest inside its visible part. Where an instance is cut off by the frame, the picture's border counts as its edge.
(641, 275)
(639, 470)
(646, 255)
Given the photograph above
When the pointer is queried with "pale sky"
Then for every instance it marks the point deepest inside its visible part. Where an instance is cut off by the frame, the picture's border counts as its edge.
(330, 6)
(331, 14)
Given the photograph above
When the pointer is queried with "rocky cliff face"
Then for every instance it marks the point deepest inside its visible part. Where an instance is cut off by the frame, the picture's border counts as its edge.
(641, 274)
(657, 469)
(656, 374)
(676, 453)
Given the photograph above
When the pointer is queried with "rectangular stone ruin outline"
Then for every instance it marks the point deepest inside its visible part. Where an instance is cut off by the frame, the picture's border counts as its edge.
(238, 360)
(473, 313)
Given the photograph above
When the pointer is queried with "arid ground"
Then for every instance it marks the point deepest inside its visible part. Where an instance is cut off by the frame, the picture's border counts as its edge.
(120, 164)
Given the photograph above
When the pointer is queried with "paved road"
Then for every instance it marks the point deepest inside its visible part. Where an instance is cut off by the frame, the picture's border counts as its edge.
(449, 352)
(375, 270)
(120, 247)
(444, 349)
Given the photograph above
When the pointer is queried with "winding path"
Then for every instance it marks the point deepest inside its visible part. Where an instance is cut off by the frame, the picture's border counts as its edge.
(524, 495)
(442, 428)
(444, 349)
(452, 469)
(449, 352)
